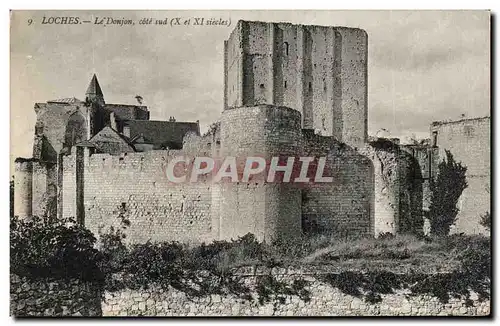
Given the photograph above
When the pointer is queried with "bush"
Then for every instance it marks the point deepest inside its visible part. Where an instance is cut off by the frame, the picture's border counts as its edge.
(219, 256)
(205, 268)
(154, 263)
(445, 192)
(486, 220)
(53, 248)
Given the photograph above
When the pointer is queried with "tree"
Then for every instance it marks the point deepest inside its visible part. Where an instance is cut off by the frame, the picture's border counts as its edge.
(445, 192)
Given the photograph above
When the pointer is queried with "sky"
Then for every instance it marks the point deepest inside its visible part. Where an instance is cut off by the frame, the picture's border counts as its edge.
(423, 66)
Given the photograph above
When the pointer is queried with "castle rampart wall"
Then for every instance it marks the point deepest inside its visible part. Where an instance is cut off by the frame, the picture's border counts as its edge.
(131, 193)
(344, 206)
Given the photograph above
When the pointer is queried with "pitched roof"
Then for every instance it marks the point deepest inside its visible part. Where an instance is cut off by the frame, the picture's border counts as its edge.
(108, 140)
(94, 87)
(68, 100)
(162, 133)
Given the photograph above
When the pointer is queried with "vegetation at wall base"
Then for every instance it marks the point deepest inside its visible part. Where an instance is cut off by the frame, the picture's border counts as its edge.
(45, 248)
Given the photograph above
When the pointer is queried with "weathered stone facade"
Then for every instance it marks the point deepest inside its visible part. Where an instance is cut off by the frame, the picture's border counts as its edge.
(290, 90)
(325, 301)
(73, 298)
(50, 298)
(134, 186)
(317, 70)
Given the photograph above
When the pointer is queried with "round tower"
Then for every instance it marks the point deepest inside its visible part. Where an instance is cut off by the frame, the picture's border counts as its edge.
(269, 210)
(23, 181)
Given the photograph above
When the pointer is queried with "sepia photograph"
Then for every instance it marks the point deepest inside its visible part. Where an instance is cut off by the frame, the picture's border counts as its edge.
(250, 163)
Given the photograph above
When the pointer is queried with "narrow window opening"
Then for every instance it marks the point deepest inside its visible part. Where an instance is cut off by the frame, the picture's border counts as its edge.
(434, 138)
(286, 47)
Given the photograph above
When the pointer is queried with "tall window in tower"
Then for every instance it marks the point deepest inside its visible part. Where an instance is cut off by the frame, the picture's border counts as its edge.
(285, 47)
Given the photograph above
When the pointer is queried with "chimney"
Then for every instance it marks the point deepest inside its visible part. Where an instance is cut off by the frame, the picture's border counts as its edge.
(126, 131)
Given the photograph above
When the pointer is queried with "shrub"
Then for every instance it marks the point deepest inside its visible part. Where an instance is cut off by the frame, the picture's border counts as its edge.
(194, 270)
(49, 247)
(445, 192)
(219, 256)
(154, 263)
(486, 220)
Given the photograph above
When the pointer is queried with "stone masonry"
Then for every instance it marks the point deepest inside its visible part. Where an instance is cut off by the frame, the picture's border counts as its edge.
(74, 298)
(289, 90)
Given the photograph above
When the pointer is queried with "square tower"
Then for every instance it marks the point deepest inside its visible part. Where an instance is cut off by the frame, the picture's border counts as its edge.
(319, 71)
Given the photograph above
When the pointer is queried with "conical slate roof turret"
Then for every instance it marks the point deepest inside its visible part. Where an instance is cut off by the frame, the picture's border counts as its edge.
(94, 92)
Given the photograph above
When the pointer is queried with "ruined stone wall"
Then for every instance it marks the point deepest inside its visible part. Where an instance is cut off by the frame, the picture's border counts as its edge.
(418, 165)
(345, 206)
(386, 177)
(266, 209)
(469, 142)
(319, 71)
(55, 120)
(75, 298)
(325, 300)
(51, 298)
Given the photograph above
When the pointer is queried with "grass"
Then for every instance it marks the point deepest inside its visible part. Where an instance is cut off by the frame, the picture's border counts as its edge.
(396, 253)
(402, 252)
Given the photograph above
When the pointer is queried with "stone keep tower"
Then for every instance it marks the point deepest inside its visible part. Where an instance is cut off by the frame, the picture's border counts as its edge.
(319, 71)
